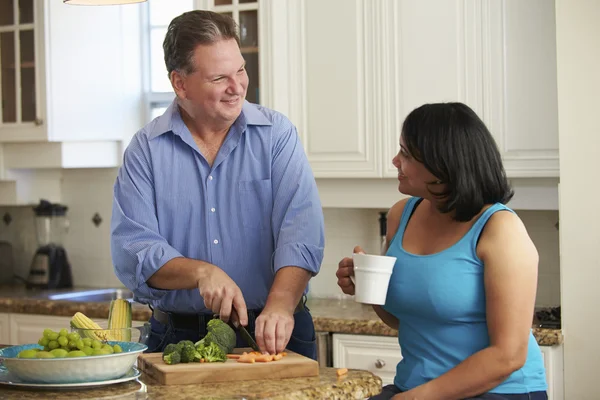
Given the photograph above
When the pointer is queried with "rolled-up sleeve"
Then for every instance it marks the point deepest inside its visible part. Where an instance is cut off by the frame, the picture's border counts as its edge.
(137, 248)
(297, 218)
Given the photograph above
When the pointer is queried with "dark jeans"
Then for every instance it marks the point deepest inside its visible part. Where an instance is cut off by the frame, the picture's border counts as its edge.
(303, 340)
(390, 391)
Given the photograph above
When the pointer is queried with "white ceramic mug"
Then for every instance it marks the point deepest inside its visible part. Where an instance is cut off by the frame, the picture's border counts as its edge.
(372, 277)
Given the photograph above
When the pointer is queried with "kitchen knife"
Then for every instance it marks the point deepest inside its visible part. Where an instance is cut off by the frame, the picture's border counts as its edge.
(243, 332)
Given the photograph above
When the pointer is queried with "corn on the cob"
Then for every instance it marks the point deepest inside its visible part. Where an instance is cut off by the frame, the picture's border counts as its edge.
(81, 321)
(119, 319)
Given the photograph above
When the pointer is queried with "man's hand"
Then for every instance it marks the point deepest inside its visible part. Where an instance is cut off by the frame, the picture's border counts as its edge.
(220, 294)
(274, 327)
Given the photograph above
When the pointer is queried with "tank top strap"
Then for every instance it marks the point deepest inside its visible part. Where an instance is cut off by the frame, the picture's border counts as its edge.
(406, 214)
(478, 226)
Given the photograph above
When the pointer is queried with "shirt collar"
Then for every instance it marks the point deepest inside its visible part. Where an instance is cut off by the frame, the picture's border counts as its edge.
(171, 120)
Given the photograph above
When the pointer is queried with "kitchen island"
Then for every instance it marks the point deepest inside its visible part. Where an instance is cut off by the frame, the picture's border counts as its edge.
(354, 385)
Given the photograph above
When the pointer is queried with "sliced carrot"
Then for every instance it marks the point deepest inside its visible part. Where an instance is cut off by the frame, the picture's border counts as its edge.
(283, 353)
(264, 358)
(341, 371)
(277, 357)
(249, 360)
(233, 356)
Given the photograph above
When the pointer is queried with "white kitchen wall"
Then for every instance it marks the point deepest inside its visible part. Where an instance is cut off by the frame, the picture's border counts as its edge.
(89, 191)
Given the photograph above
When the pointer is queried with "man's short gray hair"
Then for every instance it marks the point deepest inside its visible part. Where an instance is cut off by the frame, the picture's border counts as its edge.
(191, 29)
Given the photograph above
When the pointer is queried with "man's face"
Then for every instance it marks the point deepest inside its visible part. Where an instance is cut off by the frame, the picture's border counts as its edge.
(216, 89)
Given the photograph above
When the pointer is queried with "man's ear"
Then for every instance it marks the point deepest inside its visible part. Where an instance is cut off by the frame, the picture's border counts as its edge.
(178, 83)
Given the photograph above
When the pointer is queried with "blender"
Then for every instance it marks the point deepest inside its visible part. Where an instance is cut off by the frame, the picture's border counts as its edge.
(50, 268)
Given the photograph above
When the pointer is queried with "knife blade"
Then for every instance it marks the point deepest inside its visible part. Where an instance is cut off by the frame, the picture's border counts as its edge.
(243, 331)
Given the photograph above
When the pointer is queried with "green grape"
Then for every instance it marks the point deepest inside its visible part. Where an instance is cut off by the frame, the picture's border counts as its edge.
(44, 341)
(65, 348)
(44, 354)
(63, 341)
(101, 352)
(63, 332)
(27, 353)
(117, 348)
(72, 344)
(88, 350)
(96, 344)
(76, 353)
(59, 353)
(53, 335)
(87, 342)
(53, 345)
(80, 344)
(48, 333)
(108, 348)
(73, 336)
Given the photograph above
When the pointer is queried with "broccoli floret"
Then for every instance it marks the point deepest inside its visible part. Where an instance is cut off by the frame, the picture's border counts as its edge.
(189, 353)
(213, 353)
(170, 348)
(172, 358)
(221, 334)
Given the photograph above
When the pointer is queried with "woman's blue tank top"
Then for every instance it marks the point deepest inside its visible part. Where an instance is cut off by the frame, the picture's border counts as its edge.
(439, 300)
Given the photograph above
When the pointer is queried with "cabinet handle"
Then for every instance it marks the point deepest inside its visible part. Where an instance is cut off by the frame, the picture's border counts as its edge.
(38, 121)
(379, 363)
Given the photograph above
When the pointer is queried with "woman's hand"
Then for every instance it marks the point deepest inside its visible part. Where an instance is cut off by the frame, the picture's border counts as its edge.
(345, 271)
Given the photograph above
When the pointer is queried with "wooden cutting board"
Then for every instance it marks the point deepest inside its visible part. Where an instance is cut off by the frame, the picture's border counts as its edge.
(293, 365)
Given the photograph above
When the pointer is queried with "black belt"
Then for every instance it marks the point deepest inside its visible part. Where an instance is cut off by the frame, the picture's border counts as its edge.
(195, 321)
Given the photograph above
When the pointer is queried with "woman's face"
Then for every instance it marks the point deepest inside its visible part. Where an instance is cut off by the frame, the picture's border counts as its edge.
(414, 178)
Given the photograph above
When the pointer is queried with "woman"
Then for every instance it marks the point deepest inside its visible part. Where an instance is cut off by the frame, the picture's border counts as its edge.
(463, 288)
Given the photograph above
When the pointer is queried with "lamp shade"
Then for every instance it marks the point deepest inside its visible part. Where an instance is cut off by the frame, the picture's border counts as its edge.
(101, 2)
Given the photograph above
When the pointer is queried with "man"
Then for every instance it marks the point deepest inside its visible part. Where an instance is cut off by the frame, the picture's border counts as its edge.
(215, 208)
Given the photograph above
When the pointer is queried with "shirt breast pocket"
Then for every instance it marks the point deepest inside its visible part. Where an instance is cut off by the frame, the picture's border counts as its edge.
(256, 198)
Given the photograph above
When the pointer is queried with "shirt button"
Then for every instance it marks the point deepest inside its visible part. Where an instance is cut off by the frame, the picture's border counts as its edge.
(215, 241)
(213, 209)
(210, 178)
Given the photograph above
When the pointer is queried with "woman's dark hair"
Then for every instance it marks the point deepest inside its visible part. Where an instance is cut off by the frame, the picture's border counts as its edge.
(191, 29)
(455, 146)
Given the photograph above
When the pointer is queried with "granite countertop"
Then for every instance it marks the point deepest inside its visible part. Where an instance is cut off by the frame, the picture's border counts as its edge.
(329, 315)
(354, 385)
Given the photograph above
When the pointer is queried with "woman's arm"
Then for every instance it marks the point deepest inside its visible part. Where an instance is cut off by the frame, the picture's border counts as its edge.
(510, 278)
(393, 221)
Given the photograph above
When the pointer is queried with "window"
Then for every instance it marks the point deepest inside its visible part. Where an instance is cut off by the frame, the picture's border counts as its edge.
(158, 15)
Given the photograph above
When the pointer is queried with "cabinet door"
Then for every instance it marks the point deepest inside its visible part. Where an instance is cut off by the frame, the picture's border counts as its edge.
(336, 60)
(520, 100)
(5, 329)
(28, 328)
(21, 61)
(377, 354)
(553, 363)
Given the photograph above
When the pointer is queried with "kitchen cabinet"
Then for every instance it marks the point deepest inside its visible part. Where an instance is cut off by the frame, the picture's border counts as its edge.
(349, 89)
(28, 328)
(377, 354)
(70, 87)
(4, 329)
(553, 363)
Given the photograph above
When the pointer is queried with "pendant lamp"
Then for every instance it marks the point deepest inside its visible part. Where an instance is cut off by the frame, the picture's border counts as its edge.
(101, 2)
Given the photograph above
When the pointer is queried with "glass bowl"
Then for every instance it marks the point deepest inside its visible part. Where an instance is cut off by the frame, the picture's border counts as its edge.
(136, 334)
